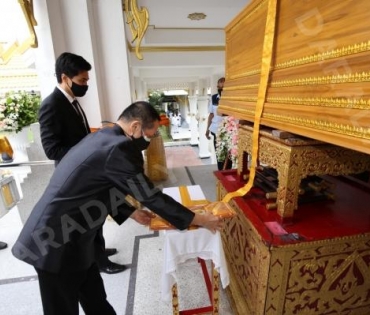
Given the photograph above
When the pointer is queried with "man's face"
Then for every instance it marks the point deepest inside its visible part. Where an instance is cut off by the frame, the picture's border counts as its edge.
(138, 131)
(81, 79)
(77, 85)
(220, 85)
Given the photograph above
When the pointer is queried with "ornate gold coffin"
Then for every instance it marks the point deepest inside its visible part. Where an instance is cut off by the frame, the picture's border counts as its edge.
(318, 82)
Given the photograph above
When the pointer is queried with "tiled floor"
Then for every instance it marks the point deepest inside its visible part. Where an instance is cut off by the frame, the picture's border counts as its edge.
(137, 290)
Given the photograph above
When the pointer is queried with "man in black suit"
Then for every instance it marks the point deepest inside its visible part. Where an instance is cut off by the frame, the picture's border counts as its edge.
(92, 181)
(63, 123)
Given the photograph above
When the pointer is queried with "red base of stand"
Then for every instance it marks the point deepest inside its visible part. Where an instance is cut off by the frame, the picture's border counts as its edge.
(206, 309)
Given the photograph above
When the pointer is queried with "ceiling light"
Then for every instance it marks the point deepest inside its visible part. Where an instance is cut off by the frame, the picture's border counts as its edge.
(196, 16)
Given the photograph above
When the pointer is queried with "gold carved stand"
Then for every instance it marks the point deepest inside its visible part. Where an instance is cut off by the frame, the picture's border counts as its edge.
(326, 276)
(297, 158)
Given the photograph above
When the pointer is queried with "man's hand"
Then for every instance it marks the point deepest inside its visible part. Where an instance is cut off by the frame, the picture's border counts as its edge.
(208, 221)
(207, 135)
(142, 216)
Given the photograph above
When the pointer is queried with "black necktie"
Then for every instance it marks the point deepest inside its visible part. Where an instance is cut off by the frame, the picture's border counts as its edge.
(79, 112)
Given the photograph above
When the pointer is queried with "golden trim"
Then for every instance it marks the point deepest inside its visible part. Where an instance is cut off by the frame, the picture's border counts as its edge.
(358, 132)
(27, 9)
(187, 28)
(253, 11)
(330, 79)
(138, 19)
(333, 102)
(241, 99)
(30, 42)
(246, 74)
(335, 53)
(178, 49)
(7, 54)
(268, 48)
(242, 87)
(233, 109)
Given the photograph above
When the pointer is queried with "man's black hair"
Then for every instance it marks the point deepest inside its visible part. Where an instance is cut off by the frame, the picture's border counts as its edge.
(141, 111)
(71, 65)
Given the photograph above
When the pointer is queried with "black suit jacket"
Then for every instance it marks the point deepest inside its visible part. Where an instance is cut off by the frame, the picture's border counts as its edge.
(90, 182)
(60, 126)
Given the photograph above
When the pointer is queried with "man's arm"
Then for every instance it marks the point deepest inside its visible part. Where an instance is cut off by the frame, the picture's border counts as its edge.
(210, 117)
(209, 121)
(51, 132)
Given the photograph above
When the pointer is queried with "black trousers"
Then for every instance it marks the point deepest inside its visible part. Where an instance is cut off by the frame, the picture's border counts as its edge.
(102, 256)
(61, 292)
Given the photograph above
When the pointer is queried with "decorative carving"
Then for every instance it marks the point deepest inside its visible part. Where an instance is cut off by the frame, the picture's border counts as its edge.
(27, 9)
(340, 102)
(349, 130)
(295, 162)
(138, 19)
(329, 79)
(330, 276)
(335, 53)
(196, 16)
(248, 261)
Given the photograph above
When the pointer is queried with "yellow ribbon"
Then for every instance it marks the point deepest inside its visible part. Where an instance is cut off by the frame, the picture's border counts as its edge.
(187, 201)
(265, 72)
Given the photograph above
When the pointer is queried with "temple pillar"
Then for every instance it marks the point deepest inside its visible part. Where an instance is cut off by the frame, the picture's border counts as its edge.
(203, 103)
(193, 123)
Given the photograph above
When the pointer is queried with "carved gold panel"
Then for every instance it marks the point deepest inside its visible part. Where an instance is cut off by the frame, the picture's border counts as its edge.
(319, 80)
(330, 276)
(298, 158)
(322, 277)
(248, 261)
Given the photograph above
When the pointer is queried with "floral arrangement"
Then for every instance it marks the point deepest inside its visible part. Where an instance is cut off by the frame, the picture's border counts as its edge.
(227, 140)
(18, 110)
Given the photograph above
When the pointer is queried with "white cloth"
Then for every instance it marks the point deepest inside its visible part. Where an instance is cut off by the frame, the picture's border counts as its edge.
(180, 246)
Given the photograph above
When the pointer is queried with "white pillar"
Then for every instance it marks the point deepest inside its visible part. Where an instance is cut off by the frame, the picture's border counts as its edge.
(193, 123)
(139, 90)
(203, 103)
(96, 31)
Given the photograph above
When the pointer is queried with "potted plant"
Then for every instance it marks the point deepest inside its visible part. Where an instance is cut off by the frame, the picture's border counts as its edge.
(17, 111)
(156, 99)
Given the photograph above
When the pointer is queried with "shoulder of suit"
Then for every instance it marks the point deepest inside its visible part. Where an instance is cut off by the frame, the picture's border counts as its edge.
(55, 98)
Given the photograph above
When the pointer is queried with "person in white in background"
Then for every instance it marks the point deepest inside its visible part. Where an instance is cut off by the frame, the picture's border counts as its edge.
(214, 119)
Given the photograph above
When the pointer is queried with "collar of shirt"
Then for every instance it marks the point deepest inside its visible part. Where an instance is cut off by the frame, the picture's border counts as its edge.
(69, 97)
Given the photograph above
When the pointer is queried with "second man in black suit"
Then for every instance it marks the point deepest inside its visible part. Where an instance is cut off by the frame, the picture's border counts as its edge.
(63, 123)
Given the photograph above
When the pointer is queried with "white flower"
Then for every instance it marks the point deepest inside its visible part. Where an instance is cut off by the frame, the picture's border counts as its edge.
(17, 110)
(227, 140)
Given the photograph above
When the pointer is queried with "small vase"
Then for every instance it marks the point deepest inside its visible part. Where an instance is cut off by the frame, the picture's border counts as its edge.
(6, 150)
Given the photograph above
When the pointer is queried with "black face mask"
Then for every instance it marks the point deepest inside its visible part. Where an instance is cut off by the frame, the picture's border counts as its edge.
(141, 143)
(79, 90)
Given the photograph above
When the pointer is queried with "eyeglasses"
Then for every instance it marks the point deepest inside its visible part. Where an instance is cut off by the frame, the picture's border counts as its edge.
(156, 134)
